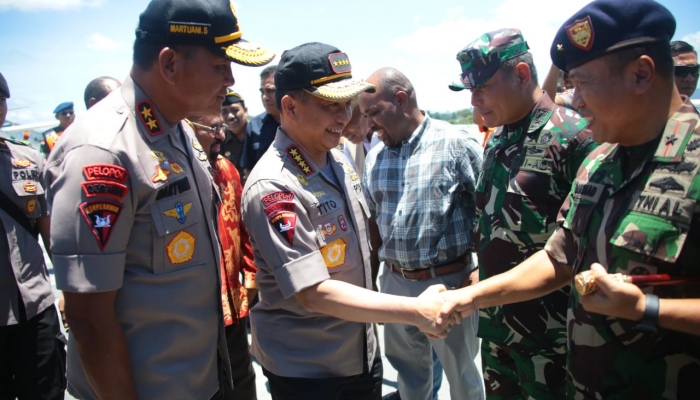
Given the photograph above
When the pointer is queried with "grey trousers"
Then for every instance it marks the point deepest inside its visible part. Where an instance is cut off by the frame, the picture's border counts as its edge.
(409, 350)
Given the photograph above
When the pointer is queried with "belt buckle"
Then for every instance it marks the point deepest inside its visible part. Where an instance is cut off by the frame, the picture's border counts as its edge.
(403, 274)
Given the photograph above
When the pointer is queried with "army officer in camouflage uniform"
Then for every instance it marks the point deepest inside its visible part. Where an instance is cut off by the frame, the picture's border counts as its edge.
(527, 173)
(633, 210)
(134, 211)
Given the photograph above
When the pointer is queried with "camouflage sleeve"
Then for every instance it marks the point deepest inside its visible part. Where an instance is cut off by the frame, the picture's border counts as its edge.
(562, 246)
(579, 148)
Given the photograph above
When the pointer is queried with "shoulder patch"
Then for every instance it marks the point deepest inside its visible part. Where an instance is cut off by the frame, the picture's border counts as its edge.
(106, 188)
(105, 171)
(285, 223)
(149, 118)
(101, 216)
(298, 159)
(276, 197)
(279, 207)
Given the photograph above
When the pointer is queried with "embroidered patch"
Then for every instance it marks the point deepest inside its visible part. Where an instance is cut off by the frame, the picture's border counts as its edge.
(161, 175)
(298, 159)
(21, 163)
(285, 223)
(149, 118)
(25, 174)
(665, 206)
(693, 145)
(675, 136)
(173, 188)
(276, 197)
(343, 224)
(105, 171)
(326, 206)
(106, 188)
(678, 168)
(581, 33)
(176, 168)
(101, 216)
(546, 138)
(334, 253)
(179, 211)
(30, 206)
(278, 207)
(588, 191)
(29, 187)
(340, 63)
(181, 248)
(667, 184)
(329, 228)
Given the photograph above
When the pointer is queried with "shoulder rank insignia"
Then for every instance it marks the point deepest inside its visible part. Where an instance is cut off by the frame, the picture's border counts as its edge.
(21, 163)
(298, 159)
(180, 212)
(674, 141)
(148, 117)
(101, 216)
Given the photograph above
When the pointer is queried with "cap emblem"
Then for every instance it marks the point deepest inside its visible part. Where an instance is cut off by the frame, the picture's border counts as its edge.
(581, 33)
(340, 63)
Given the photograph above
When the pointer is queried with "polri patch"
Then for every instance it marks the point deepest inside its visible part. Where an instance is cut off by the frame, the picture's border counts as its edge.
(105, 171)
(106, 188)
(275, 208)
(581, 33)
(179, 211)
(334, 253)
(298, 159)
(276, 197)
(328, 228)
(29, 187)
(340, 63)
(21, 163)
(285, 223)
(181, 249)
(101, 216)
(149, 118)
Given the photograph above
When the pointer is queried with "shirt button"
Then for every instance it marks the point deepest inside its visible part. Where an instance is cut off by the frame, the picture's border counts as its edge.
(120, 110)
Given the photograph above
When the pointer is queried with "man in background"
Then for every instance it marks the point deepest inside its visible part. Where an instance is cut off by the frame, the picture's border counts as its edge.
(98, 89)
(686, 68)
(235, 115)
(237, 257)
(262, 129)
(65, 115)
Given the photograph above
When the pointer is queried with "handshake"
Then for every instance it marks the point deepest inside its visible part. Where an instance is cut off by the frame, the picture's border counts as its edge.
(440, 309)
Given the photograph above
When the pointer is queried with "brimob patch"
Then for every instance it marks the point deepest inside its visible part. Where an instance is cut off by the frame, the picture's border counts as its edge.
(285, 223)
(181, 248)
(340, 63)
(276, 197)
(334, 253)
(278, 207)
(29, 187)
(22, 163)
(343, 224)
(105, 171)
(298, 159)
(179, 211)
(101, 216)
(106, 188)
(30, 206)
(149, 118)
(581, 33)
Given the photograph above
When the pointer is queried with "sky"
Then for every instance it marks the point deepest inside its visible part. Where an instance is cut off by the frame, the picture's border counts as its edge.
(53, 48)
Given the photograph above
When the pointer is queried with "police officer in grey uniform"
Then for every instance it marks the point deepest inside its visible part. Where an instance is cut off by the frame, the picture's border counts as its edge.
(306, 214)
(134, 238)
(32, 350)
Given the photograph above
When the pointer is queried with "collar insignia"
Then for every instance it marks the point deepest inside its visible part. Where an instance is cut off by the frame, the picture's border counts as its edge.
(149, 118)
(298, 159)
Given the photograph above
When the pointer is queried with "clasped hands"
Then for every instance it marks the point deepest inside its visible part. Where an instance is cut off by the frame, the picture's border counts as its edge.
(441, 309)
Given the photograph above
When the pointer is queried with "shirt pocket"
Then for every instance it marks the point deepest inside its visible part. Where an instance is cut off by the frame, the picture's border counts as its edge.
(176, 229)
(336, 240)
(28, 193)
(526, 201)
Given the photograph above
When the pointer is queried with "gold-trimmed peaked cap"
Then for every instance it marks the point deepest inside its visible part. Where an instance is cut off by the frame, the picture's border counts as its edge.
(209, 23)
(320, 69)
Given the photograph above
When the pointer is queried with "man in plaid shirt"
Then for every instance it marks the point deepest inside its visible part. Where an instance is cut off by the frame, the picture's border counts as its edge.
(420, 186)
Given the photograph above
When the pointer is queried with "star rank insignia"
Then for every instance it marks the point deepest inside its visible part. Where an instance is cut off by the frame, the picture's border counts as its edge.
(340, 63)
(671, 140)
(148, 117)
(298, 159)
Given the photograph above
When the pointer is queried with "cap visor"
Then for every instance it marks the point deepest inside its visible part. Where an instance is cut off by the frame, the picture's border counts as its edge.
(456, 86)
(246, 53)
(342, 90)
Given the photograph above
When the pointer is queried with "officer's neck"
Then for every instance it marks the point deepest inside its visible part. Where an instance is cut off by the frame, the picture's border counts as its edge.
(157, 90)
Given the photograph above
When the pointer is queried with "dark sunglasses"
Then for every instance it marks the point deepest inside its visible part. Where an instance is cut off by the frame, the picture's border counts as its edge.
(683, 70)
(66, 113)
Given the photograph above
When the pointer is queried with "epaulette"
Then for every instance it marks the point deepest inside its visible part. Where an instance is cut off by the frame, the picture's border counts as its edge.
(13, 141)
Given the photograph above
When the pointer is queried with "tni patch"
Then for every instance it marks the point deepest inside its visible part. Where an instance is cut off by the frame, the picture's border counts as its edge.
(101, 216)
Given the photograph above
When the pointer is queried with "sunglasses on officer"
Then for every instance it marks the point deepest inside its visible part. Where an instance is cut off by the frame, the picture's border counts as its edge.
(212, 129)
(684, 70)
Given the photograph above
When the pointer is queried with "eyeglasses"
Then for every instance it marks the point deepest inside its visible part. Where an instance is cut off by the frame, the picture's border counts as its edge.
(66, 113)
(683, 70)
(213, 128)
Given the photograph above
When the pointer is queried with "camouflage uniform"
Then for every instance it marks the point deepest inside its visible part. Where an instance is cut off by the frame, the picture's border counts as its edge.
(641, 219)
(527, 173)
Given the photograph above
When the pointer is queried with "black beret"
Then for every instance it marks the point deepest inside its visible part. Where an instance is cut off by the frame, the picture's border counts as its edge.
(604, 26)
(4, 89)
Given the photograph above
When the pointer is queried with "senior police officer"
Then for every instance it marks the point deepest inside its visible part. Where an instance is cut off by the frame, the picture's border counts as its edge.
(633, 209)
(134, 238)
(32, 349)
(529, 166)
(306, 216)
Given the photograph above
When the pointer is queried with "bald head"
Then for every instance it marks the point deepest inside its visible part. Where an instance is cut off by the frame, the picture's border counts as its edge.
(390, 81)
(98, 89)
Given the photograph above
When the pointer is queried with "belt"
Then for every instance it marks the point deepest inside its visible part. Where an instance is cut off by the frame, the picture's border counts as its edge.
(423, 274)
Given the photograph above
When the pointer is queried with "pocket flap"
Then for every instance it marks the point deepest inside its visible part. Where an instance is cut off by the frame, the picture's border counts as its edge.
(173, 213)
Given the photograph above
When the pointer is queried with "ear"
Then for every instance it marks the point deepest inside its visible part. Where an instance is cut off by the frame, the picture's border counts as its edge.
(641, 73)
(167, 64)
(91, 102)
(401, 99)
(523, 75)
(289, 105)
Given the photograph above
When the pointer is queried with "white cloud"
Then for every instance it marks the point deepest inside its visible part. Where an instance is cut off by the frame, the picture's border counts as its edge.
(39, 5)
(100, 42)
(693, 39)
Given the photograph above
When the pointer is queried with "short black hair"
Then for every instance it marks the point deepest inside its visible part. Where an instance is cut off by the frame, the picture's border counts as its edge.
(299, 94)
(146, 52)
(680, 47)
(526, 58)
(269, 70)
(657, 51)
(97, 89)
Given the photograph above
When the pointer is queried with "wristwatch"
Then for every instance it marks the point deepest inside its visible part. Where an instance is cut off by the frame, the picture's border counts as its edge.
(650, 320)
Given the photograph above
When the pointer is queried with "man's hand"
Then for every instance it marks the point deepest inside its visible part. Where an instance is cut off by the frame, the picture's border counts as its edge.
(62, 310)
(458, 302)
(614, 298)
(471, 279)
(429, 304)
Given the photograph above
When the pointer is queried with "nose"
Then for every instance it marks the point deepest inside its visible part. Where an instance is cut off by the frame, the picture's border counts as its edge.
(577, 101)
(477, 100)
(228, 76)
